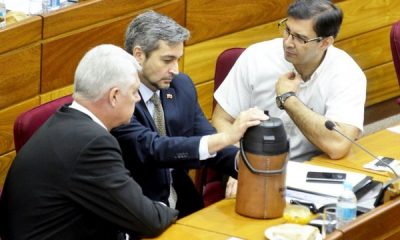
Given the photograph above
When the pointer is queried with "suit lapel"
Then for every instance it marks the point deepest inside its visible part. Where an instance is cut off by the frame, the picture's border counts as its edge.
(141, 108)
(169, 102)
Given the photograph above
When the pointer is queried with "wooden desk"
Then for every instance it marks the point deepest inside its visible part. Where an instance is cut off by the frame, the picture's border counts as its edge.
(221, 218)
(178, 231)
(382, 143)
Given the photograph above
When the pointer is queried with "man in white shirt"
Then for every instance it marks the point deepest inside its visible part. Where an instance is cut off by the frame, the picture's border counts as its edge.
(302, 79)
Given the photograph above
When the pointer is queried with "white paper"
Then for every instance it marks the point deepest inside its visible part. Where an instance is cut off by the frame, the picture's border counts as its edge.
(368, 200)
(27, 6)
(317, 200)
(395, 129)
(395, 165)
(296, 179)
(17, 5)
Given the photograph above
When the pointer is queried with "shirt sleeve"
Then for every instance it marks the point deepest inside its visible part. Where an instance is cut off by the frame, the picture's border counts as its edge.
(348, 94)
(203, 149)
(234, 93)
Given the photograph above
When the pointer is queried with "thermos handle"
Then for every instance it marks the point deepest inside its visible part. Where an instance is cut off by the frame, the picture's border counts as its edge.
(256, 171)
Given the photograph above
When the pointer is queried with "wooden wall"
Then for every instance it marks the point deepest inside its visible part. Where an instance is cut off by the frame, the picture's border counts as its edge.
(364, 35)
(39, 60)
(38, 56)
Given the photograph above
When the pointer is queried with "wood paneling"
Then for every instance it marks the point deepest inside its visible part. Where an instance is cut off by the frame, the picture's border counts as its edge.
(62, 54)
(61, 92)
(200, 58)
(7, 120)
(20, 34)
(368, 44)
(5, 163)
(382, 223)
(20, 75)
(208, 19)
(369, 49)
(205, 93)
(382, 84)
(88, 13)
(381, 110)
(174, 9)
(362, 16)
(40, 67)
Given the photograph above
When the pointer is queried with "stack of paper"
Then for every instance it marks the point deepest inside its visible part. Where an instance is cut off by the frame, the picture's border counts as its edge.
(379, 166)
(296, 179)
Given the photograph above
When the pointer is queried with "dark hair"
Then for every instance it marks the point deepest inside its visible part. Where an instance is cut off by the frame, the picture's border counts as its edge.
(326, 15)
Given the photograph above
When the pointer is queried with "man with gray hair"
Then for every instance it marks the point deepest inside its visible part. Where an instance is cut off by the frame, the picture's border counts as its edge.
(69, 180)
(169, 133)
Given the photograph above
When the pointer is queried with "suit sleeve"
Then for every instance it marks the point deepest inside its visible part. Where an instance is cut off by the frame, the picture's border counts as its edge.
(224, 160)
(103, 186)
(140, 143)
(143, 146)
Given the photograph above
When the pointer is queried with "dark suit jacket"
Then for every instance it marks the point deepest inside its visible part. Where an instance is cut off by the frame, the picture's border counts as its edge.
(69, 182)
(149, 156)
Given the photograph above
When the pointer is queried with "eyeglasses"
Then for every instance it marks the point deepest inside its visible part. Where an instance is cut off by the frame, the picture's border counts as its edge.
(296, 37)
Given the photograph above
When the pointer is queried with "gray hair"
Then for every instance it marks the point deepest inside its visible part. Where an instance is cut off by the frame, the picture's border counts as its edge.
(150, 27)
(102, 68)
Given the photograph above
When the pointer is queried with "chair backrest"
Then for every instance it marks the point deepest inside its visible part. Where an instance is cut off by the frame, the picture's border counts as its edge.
(212, 187)
(224, 64)
(395, 47)
(28, 122)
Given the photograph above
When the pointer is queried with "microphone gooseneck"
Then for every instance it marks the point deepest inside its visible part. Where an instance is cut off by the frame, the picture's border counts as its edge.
(332, 127)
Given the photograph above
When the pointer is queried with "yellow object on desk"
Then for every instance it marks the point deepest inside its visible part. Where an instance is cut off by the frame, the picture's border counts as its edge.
(297, 214)
(290, 231)
(14, 16)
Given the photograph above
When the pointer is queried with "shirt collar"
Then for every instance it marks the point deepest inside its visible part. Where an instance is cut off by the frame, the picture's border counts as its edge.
(146, 92)
(317, 71)
(86, 111)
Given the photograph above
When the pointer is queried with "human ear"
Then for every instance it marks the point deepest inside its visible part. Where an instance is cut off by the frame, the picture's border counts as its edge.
(139, 54)
(113, 96)
(326, 42)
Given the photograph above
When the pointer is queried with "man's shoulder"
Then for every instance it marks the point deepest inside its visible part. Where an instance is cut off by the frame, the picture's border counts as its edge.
(337, 58)
(78, 123)
(258, 53)
(182, 81)
(273, 44)
(182, 78)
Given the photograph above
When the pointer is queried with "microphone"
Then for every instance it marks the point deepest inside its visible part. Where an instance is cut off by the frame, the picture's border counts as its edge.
(332, 127)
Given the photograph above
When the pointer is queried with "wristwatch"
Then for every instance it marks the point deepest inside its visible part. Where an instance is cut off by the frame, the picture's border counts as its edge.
(280, 100)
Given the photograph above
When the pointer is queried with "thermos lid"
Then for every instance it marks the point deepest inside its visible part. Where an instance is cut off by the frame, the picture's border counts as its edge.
(267, 138)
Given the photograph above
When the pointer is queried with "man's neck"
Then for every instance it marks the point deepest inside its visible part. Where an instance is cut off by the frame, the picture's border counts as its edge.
(98, 114)
(307, 70)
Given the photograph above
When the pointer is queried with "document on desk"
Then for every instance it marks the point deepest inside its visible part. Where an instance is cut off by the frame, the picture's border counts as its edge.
(395, 129)
(319, 201)
(296, 179)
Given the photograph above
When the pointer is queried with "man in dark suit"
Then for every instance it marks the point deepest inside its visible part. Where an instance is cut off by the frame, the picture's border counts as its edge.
(159, 152)
(69, 180)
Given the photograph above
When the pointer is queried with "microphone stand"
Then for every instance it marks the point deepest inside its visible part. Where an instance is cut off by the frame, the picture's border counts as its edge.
(390, 189)
(331, 126)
